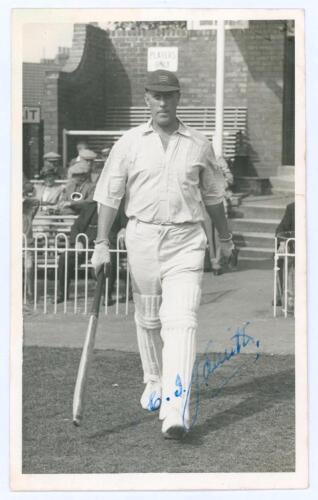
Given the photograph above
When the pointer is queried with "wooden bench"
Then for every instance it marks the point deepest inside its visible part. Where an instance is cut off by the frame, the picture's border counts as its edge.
(50, 225)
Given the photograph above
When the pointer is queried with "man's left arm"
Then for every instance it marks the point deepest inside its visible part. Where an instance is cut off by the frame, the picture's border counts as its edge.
(212, 187)
(217, 215)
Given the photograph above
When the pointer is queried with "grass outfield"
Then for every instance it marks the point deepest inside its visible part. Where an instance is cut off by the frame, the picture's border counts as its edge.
(247, 426)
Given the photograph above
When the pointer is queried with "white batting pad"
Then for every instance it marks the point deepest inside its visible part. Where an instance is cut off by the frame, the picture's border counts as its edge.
(179, 323)
(148, 335)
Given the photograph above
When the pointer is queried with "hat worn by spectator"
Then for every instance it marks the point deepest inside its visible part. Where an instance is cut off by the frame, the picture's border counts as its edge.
(81, 167)
(162, 80)
(51, 156)
(48, 170)
(87, 154)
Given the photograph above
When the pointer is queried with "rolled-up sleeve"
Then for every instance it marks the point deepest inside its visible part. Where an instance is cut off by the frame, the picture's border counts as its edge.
(212, 183)
(111, 184)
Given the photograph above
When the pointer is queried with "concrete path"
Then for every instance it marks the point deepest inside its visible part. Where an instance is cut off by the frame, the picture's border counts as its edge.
(228, 302)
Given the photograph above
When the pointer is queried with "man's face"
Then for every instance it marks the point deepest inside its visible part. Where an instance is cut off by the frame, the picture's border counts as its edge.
(49, 180)
(163, 106)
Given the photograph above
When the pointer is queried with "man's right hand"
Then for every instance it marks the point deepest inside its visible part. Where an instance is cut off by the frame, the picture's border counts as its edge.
(101, 256)
(226, 248)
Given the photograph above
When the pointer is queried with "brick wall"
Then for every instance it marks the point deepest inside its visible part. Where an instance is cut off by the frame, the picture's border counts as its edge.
(107, 69)
(33, 82)
(254, 60)
(262, 47)
(196, 71)
(76, 96)
(34, 94)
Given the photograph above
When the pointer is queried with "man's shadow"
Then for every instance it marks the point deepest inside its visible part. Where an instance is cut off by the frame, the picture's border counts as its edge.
(212, 297)
(264, 393)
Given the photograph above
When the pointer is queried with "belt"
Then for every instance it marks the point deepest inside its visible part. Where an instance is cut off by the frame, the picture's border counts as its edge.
(165, 223)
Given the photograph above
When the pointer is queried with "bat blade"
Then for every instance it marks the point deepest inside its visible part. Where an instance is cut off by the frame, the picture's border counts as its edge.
(82, 374)
(81, 381)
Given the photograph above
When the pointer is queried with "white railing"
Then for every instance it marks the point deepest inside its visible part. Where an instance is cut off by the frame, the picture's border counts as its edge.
(41, 282)
(284, 263)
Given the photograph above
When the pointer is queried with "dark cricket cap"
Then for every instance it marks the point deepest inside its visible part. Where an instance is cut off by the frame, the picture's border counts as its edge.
(162, 80)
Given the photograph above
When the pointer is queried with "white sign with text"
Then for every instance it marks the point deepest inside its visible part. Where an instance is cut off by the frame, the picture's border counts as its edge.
(162, 58)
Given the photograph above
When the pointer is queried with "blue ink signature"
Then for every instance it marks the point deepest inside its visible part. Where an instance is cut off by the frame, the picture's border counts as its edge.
(240, 340)
(155, 400)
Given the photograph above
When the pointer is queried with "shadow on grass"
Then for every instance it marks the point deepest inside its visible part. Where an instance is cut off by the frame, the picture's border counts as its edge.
(212, 297)
(255, 408)
(132, 424)
(266, 392)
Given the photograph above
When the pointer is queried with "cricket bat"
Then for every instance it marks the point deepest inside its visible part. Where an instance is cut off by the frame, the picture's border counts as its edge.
(82, 374)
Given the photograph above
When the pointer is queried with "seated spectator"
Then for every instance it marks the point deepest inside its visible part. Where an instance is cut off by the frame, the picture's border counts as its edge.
(52, 158)
(99, 163)
(85, 155)
(285, 230)
(30, 207)
(78, 190)
(88, 155)
(87, 223)
(80, 146)
(49, 193)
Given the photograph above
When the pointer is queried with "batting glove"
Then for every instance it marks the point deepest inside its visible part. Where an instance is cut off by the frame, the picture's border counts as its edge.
(101, 255)
(121, 238)
(226, 247)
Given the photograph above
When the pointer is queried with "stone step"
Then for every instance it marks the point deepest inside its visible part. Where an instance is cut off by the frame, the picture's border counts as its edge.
(255, 240)
(252, 185)
(254, 263)
(271, 199)
(259, 211)
(283, 184)
(248, 225)
(257, 253)
(286, 170)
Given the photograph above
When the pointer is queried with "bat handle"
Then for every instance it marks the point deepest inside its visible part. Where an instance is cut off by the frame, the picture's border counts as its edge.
(100, 286)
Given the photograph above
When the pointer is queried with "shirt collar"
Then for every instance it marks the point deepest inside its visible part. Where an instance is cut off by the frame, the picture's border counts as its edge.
(182, 129)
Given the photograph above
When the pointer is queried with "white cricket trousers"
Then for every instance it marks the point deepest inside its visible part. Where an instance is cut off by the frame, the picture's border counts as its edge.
(166, 267)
